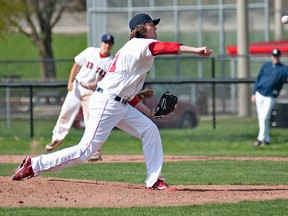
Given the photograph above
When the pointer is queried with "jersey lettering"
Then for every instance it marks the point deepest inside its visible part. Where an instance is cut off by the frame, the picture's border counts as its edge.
(98, 69)
(101, 72)
(89, 65)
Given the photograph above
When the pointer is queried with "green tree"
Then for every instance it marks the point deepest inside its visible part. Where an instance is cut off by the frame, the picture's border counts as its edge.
(36, 19)
(9, 11)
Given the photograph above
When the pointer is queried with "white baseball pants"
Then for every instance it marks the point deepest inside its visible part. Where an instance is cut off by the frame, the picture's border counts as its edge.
(264, 107)
(105, 114)
(79, 96)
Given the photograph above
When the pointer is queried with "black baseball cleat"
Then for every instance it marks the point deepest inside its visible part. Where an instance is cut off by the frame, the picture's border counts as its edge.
(52, 145)
(24, 170)
(258, 143)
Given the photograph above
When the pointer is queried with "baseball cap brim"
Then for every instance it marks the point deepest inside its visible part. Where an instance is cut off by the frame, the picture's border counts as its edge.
(155, 21)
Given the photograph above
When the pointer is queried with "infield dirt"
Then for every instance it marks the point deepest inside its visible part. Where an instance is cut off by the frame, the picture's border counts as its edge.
(54, 192)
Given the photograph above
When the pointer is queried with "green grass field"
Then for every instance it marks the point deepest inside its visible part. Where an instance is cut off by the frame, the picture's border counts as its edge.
(232, 137)
(267, 208)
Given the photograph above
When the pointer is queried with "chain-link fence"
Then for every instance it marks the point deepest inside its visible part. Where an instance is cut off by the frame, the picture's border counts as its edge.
(206, 101)
(31, 69)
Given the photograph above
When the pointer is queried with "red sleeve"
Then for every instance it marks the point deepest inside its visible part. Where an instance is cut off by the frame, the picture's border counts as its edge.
(162, 48)
(134, 101)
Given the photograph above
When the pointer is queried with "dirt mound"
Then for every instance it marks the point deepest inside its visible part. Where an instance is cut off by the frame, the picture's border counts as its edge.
(53, 192)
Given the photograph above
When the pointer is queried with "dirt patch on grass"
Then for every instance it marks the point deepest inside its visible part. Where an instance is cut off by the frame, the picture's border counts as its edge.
(54, 192)
(140, 158)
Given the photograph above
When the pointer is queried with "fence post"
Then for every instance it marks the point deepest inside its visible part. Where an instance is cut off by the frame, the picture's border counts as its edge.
(8, 108)
(213, 95)
(31, 111)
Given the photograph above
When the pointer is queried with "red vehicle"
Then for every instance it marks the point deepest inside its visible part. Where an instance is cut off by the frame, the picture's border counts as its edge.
(186, 115)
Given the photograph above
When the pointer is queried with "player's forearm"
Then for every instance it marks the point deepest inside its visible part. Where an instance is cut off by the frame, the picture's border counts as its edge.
(144, 109)
(201, 51)
(73, 72)
(187, 49)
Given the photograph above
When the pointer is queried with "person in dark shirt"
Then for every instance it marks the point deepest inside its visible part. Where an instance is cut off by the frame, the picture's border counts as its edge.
(268, 85)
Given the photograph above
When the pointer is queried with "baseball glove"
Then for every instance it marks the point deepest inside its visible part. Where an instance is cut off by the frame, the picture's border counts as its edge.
(145, 93)
(166, 104)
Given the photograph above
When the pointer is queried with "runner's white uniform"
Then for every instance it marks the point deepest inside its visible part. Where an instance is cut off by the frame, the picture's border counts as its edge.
(124, 79)
(93, 68)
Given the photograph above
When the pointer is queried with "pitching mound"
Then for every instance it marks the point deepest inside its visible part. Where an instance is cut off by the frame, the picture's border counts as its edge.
(53, 192)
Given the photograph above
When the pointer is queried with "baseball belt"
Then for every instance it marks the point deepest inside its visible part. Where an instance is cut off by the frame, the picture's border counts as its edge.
(117, 98)
(84, 86)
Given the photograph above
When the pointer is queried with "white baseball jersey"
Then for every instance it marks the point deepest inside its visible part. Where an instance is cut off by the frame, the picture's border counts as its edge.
(127, 74)
(124, 78)
(92, 66)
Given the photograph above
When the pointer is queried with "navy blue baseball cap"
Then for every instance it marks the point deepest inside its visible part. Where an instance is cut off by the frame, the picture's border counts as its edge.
(140, 19)
(276, 52)
(107, 38)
